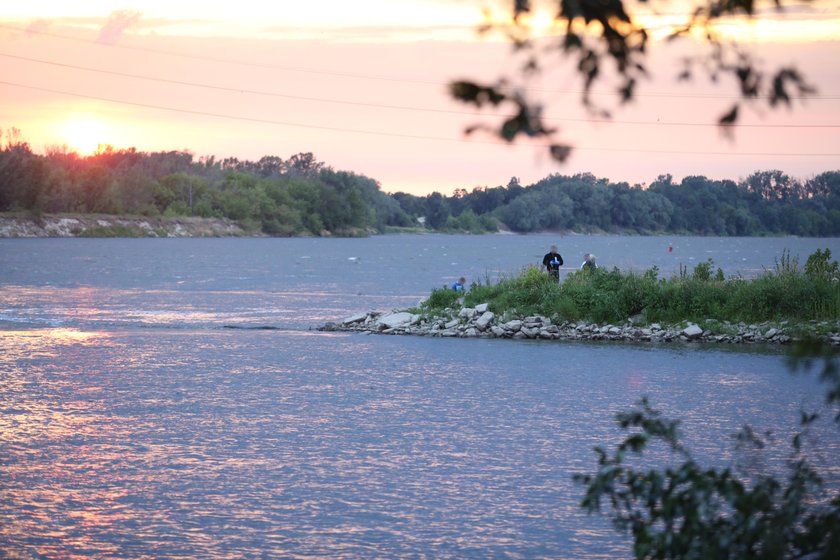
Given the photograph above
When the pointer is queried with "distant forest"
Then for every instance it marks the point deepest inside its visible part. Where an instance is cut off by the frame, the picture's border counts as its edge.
(302, 196)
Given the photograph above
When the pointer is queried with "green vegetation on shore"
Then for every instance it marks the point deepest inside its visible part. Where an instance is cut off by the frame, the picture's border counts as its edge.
(302, 196)
(789, 292)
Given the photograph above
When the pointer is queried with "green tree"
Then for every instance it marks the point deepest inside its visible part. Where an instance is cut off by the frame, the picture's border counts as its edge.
(22, 174)
(437, 210)
(179, 192)
(134, 193)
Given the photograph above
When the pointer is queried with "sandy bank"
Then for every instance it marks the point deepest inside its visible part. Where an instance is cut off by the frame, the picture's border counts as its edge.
(73, 225)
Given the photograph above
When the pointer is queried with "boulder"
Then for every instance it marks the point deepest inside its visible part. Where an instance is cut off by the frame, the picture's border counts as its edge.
(482, 322)
(481, 307)
(529, 333)
(357, 318)
(692, 332)
(394, 320)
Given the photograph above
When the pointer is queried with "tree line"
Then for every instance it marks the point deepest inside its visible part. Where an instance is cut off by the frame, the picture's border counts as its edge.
(765, 203)
(302, 196)
(295, 196)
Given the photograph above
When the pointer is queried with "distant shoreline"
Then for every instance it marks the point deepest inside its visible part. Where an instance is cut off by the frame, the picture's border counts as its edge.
(24, 225)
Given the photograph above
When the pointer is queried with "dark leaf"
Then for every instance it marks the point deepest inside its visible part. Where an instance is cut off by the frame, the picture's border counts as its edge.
(520, 7)
(560, 152)
(465, 91)
(472, 128)
(511, 127)
(729, 118)
(470, 92)
(627, 91)
(572, 41)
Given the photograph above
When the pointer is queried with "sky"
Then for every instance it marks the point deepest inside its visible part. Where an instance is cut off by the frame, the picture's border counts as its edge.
(363, 86)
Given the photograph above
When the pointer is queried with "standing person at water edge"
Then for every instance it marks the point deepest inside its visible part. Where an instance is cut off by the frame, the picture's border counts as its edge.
(588, 263)
(552, 261)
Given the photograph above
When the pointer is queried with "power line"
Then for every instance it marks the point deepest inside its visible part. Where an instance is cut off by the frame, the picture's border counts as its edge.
(393, 134)
(232, 89)
(386, 106)
(223, 60)
(371, 76)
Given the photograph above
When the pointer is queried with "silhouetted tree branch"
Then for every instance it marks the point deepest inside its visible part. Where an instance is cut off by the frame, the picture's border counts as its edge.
(597, 32)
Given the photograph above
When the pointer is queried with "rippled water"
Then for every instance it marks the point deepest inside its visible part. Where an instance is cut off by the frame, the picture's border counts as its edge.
(133, 424)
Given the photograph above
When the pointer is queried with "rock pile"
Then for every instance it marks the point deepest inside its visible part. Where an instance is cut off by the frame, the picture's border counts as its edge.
(479, 322)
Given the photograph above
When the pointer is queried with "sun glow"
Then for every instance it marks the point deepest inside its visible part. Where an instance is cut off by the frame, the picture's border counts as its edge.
(84, 134)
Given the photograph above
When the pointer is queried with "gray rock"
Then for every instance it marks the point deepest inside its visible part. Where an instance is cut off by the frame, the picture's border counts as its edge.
(401, 319)
(771, 333)
(481, 307)
(467, 313)
(482, 322)
(692, 332)
(357, 318)
(514, 325)
(498, 331)
(529, 333)
(451, 324)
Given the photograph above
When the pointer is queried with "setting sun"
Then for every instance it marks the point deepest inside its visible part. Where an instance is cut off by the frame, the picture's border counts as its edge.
(84, 134)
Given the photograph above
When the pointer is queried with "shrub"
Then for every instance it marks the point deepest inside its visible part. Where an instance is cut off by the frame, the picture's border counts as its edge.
(440, 299)
(819, 267)
(610, 296)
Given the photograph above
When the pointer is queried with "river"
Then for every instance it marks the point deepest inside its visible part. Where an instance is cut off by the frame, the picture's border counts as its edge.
(135, 423)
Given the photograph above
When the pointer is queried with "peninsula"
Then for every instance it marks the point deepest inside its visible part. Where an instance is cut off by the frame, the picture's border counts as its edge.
(788, 303)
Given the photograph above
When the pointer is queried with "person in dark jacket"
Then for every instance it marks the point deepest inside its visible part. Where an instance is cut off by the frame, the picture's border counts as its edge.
(552, 261)
(588, 263)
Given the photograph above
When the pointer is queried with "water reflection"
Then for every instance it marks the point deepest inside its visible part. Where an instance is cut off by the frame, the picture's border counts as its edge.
(224, 444)
(140, 428)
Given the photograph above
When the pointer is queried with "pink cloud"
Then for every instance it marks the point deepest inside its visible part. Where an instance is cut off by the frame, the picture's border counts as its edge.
(40, 25)
(118, 22)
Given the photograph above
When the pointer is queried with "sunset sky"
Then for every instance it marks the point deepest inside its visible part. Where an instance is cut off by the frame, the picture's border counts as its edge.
(362, 85)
